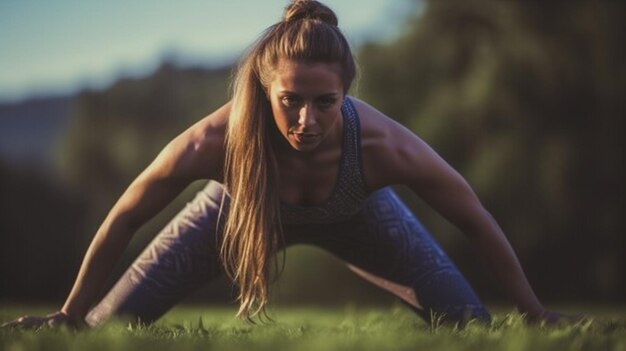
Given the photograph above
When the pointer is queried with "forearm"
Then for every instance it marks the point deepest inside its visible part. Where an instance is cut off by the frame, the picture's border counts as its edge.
(145, 197)
(103, 253)
(491, 245)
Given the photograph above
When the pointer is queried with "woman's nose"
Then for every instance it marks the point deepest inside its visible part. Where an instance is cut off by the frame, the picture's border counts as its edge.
(307, 116)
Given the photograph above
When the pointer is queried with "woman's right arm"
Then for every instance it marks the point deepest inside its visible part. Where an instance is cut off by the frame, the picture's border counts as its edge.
(195, 154)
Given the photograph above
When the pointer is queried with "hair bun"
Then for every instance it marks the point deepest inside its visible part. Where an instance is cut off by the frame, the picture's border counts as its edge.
(309, 9)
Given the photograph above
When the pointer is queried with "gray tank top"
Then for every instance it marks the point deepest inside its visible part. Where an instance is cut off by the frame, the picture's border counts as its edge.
(350, 191)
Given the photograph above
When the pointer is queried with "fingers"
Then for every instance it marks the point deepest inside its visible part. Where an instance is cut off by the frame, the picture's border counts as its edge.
(54, 320)
(25, 322)
(8, 325)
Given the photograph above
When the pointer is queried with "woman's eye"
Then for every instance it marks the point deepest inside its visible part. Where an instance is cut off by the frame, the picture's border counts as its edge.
(327, 102)
(290, 101)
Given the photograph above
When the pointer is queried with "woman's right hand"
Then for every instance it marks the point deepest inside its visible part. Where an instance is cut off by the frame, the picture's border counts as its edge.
(53, 320)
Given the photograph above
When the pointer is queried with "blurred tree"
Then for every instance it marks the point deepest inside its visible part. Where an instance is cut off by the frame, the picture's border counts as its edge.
(116, 133)
(33, 266)
(525, 99)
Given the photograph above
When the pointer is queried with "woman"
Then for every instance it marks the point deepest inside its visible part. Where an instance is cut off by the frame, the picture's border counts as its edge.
(300, 162)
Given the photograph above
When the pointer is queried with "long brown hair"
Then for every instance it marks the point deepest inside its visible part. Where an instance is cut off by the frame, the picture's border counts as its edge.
(253, 230)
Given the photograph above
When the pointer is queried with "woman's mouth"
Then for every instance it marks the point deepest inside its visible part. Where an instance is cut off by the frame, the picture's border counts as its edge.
(303, 138)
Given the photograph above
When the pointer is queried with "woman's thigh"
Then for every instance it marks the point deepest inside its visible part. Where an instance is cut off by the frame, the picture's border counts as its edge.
(385, 239)
(181, 258)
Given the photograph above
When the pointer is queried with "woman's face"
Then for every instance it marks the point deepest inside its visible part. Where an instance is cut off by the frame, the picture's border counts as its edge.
(306, 102)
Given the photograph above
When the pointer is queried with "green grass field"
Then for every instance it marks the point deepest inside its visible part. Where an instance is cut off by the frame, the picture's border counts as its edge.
(348, 328)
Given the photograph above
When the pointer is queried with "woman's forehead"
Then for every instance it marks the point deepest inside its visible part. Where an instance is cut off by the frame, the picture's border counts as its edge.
(295, 75)
(290, 67)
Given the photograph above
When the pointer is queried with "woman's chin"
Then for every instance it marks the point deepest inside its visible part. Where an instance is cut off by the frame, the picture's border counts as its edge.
(304, 148)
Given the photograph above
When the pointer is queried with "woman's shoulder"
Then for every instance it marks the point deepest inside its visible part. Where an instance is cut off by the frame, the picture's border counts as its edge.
(199, 150)
(210, 127)
(374, 124)
(207, 135)
(379, 131)
(388, 148)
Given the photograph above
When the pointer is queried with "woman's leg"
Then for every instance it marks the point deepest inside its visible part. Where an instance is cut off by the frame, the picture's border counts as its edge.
(387, 245)
(179, 260)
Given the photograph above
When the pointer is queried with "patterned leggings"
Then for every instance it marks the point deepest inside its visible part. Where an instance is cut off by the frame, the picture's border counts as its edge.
(384, 243)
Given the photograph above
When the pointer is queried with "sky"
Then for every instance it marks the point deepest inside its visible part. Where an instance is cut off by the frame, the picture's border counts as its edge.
(61, 46)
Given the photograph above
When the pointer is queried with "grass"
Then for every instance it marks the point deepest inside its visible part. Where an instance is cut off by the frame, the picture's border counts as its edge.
(350, 328)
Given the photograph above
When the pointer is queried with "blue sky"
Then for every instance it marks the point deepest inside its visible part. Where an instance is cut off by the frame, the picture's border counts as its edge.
(62, 45)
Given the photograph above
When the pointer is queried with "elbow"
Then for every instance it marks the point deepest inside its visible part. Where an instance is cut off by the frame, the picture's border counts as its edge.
(477, 221)
(128, 222)
(121, 225)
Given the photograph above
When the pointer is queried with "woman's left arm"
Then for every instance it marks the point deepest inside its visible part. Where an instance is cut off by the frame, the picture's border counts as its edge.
(398, 156)
(432, 179)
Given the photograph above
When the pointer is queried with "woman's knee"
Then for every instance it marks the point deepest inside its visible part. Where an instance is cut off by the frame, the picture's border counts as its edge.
(182, 257)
